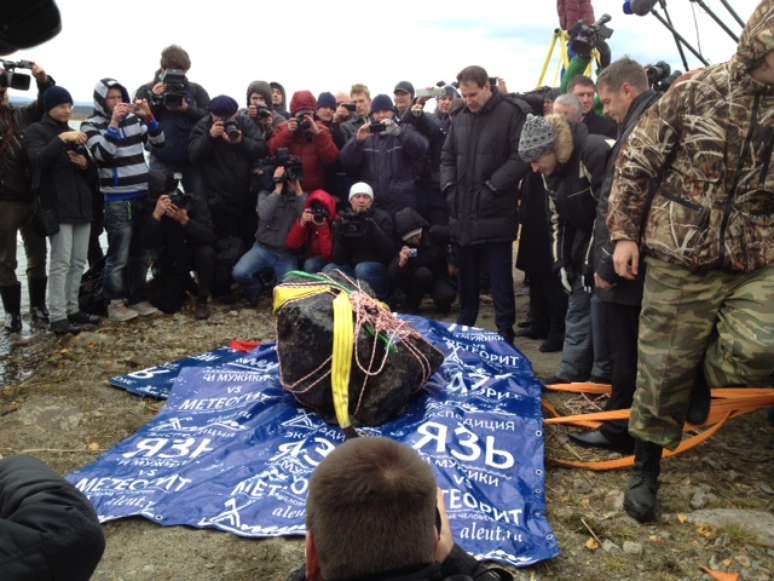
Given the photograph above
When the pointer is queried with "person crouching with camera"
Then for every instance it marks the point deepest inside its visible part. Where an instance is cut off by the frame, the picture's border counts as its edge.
(420, 266)
(179, 231)
(312, 234)
(362, 241)
(270, 258)
(62, 176)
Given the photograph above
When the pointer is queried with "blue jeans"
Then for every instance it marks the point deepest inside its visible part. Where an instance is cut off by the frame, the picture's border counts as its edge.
(314, 264)
(261, 261)
(126, 264)
(374, 273)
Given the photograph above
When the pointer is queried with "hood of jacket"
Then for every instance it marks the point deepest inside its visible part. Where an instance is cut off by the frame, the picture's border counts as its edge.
(407, 220)
(758, 36)
(100, 93)
(284, 105)
(325, 199)
(262, 88)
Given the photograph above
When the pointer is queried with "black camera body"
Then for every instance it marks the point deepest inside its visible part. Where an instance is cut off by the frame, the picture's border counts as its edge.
(10, 78)
(176, 84)
(661, 76)
(585, 38)
(303, 122)
(180, 199)
(264, 112)
(78, 148)
(231, 127)
(294, 167)
(319, 212)
(376, 127)
(352, 225)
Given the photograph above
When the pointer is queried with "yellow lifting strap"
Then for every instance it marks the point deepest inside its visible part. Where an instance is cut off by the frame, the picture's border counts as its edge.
(284, 294)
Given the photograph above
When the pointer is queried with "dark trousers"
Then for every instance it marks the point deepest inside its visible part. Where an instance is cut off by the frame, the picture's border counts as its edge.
(547, 303)
(15, 217)
(623, 329)
(417, 282)
(496, 259)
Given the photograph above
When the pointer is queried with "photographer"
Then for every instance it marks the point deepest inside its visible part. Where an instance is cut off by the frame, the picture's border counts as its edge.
(225, 146)
(333, 112)
(259, 109)
(63, 173)
(16, 208)
(444, 107)
(277, 211)
(177, 104)
(384, 154)
(572, 164)
(420, 267)
(362, 241)
(278, 98)
(307, 139)
(117, 132)
(179, 231)
(312, 234)
(360, 98)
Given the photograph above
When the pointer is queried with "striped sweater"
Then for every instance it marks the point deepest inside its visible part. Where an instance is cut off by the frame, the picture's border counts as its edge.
(120, 152)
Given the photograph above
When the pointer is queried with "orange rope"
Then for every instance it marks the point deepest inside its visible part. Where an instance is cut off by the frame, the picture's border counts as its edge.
(727, 403)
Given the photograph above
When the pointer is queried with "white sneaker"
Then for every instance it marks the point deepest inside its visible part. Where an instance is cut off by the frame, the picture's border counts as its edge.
(144, 309)
(118, 311)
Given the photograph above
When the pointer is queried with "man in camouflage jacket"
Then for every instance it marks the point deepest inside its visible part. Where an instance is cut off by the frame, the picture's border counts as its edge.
(706, 229)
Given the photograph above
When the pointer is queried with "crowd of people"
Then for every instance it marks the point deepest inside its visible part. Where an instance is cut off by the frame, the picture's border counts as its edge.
(428, 205)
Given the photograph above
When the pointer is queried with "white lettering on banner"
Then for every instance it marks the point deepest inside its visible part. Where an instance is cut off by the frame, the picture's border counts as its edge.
(484, 353)
(493, 425)
(219, 403)
(439, 433)
(475, 532)
(171, 483)
(289, 513)
(148, 373)
(190, 448)
(310, 457)
(206, 357)
(458, 500)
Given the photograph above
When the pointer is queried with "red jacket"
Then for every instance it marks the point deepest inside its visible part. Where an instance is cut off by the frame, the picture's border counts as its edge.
(314, 154)
(570, 11)
(311, 239)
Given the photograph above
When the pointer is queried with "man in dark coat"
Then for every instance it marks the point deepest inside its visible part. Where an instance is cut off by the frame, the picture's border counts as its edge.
(48, 529)
(480, 169)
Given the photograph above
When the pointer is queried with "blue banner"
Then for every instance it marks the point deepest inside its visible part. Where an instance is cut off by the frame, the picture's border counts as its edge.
(231, 450)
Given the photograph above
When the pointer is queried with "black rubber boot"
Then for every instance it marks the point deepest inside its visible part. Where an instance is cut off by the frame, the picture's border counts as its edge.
(640, 498)
(11, 296)
(37, 292)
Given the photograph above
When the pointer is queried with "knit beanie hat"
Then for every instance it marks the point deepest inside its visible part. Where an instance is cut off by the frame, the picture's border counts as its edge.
(303, 101)
(382, 103)
(223, 106)
(406, 87)
(55, 96)
(537, 138)
(326, 99)
(361, 188)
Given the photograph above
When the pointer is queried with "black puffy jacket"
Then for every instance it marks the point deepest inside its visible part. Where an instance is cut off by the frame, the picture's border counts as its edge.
(364, 237)
(48, 529)
(480, 169)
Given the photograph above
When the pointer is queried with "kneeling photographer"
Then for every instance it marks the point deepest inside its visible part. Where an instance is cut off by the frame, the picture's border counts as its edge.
(362, 241)
(312, 234)
(420, 266)
(270, 258)
(180, 233)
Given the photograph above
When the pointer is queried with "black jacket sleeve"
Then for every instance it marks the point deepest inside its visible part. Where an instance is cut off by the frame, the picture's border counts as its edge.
(381, 232)
(46, 525)
(511, 172)
(253, 145)
(41, 149)
(200, 142)
(200, 229)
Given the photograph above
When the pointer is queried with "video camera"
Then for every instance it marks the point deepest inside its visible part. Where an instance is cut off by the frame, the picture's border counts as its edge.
(294, 167)
(176, 84)
(584, 38)
(660, 76)
(10, 78)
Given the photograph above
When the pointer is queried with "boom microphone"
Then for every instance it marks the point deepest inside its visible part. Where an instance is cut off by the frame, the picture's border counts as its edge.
(639, 7)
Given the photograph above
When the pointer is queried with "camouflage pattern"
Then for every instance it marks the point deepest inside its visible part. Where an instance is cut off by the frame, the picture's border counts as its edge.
(710, 139)
(680, 310)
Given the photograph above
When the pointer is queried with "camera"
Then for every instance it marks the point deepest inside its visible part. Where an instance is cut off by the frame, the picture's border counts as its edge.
(264, 112)
(660, 76)
(10, 78)
(319, 212)
(413, 252)
(430, 93)
(376, 127)
(294, 168)
(231, 127)
(78, 148)
(303, 122)
(180, 199)
(585, 38)
(351, 226)
(176, 85)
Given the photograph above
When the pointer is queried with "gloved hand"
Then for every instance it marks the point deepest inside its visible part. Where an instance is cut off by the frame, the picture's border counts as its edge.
(564, 278)
(392, 127)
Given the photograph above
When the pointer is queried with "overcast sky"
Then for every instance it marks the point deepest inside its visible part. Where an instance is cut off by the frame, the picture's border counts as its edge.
(330, 45)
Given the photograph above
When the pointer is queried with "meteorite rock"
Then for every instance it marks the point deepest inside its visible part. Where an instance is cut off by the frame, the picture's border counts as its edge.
(305, 345)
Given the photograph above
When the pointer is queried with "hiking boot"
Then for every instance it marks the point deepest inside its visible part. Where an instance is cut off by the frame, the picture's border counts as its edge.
(118, 311)
(640, 498)
(144, 309)
(37, 292)
(202, 310)
(533, 333)
(64, 327)
(551, 345)
(84, 319)
(11, 296)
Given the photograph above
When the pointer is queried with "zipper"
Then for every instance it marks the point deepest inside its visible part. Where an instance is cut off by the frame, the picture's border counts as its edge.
(729, 201)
